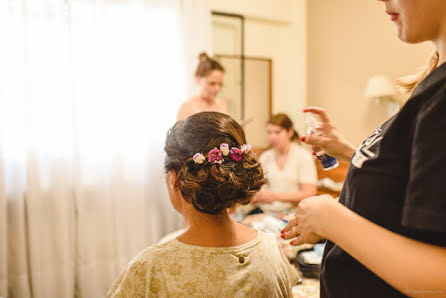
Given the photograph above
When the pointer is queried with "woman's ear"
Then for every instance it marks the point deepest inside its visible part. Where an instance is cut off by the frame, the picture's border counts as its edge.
(172, 180)
(290, 133)
(175, 196)
(197, 80)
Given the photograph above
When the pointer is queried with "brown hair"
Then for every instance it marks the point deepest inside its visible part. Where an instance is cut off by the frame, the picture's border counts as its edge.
(409, 83)
(211, 188)
(285, 122)
(206, 65)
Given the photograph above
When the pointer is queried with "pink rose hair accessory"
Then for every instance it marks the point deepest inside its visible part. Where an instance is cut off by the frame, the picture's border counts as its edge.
(224, 148)
(236, 154)
(216, 155)
(246, 149)
(199, 158)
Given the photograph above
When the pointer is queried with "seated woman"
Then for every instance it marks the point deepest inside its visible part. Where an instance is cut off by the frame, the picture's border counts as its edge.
(289, 168)
(209, 169)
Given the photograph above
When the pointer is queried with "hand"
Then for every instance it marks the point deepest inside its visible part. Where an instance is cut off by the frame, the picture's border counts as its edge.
(330, 139)
(264, 196)
(310, 222)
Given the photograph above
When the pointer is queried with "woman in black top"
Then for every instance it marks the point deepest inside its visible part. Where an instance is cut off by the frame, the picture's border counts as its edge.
(387, 237)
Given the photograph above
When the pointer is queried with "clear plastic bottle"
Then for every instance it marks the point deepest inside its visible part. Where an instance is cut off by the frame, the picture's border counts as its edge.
(328, 162)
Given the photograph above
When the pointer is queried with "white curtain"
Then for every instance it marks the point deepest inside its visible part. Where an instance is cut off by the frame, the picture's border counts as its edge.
(88, 90)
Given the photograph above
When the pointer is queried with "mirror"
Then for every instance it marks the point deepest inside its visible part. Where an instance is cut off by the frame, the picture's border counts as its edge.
(247, 86)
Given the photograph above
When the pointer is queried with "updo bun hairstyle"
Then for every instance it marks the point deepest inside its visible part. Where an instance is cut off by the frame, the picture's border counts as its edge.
(206, 65)
(211, 187)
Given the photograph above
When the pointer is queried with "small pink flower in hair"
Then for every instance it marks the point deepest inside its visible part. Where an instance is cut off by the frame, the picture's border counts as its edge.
(199, 158)
(224, 148)
(236, 154)
(246, 149)
(215, 156)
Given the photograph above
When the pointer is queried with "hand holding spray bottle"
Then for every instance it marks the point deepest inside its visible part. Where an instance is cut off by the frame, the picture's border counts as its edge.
(328, 162)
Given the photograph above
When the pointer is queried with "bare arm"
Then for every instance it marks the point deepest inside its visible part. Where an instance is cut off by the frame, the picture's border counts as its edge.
(265, 196)
(306, 190)
(415, 268)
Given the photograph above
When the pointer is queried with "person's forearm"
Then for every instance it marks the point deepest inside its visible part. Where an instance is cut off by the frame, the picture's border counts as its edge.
(297, 196)
(412, 267)
(348, 152)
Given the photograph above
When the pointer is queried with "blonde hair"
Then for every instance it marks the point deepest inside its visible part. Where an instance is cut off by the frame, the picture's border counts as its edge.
(409, 83)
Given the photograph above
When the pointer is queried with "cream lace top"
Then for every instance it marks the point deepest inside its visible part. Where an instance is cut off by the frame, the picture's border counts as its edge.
(173, 269)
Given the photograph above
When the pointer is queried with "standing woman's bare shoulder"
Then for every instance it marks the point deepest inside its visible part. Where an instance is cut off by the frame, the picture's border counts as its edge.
(223, 106)
(186, 109)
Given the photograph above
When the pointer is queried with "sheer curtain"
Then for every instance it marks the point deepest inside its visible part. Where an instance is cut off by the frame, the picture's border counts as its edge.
(88, 90)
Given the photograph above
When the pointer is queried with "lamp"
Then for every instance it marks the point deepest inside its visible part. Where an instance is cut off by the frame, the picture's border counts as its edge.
(381, 89)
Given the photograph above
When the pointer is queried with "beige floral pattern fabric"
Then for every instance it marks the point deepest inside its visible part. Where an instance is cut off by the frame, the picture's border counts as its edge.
(173, 269)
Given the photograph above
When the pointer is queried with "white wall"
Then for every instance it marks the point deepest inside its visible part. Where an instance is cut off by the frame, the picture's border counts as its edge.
(277, 29)
(324, 52)
(275, 10)
(349, 41)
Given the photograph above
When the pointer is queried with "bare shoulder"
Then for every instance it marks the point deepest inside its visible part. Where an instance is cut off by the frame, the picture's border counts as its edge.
(186, 109)
(222, 106)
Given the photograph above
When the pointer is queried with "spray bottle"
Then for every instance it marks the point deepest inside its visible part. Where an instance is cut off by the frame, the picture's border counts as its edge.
(328, 162)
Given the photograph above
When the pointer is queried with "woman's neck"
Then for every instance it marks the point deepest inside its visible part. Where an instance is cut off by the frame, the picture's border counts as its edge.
(206, 100)
(440, 45)
(213, 230)
(284, 149)
(442, 54)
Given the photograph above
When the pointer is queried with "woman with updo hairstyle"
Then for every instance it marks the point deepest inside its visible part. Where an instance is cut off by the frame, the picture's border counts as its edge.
(209, 168)
(209, 79)
(289, 167)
